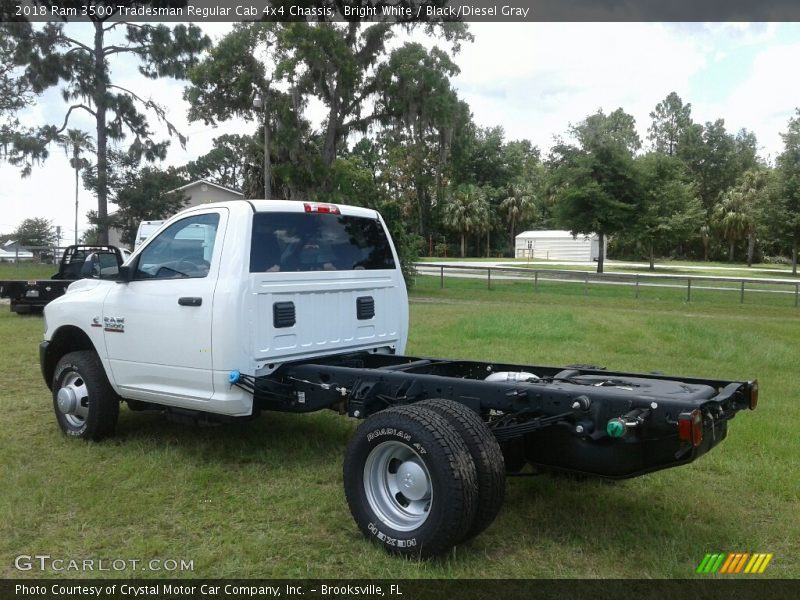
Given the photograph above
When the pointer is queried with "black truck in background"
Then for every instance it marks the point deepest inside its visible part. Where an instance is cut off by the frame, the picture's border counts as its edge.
(77, 262)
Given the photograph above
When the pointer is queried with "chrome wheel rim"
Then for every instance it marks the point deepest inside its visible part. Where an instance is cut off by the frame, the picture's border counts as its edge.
(72, 400)
(398, 486)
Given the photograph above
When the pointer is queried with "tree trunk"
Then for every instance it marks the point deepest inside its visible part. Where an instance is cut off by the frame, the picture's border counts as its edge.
(794, 256)
(488, 242)
(652, 257)
(601, 254)
(751, 244)
(463, 245)
(102, 138)
(730, 251)
(331, 133)
(513, 249)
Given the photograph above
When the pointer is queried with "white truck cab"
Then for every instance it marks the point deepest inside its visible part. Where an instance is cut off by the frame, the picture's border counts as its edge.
(240, 285)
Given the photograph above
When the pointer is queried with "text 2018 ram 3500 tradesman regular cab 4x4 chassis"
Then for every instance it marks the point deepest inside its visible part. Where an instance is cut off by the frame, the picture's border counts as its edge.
(239, 307)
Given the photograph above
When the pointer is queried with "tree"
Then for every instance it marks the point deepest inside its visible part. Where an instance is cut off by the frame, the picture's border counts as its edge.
(415, 96)
(596, 183)
(35, 232)
(15, 90)
(144, 195)
(82, 69)
(787, 205)
(737, 215)
(518, 206)
(670, 209)
(464, 210)
(710, 153)
(226, 163)
(76, 142)
(671, 117)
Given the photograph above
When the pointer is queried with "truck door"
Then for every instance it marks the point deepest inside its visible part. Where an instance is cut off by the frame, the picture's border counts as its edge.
(157, 327)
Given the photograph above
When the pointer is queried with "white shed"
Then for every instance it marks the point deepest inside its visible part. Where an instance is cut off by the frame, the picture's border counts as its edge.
(558, 245)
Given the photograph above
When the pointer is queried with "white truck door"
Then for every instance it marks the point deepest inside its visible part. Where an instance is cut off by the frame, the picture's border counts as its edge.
(157, 327)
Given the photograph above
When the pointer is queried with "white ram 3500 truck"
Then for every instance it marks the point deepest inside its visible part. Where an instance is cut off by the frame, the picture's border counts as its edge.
(239, 307)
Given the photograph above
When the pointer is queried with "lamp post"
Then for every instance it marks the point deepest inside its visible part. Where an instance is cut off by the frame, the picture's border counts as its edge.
(260, 101)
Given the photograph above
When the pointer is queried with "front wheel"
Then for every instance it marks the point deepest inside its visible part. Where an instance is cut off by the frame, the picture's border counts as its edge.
(85, 404)
(410, 481)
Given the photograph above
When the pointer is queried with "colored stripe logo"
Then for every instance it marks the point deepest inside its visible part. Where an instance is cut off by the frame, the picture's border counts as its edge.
(734, 563)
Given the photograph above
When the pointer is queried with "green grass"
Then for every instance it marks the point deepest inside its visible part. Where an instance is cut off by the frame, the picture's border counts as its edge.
(26, 270)
(264, 498)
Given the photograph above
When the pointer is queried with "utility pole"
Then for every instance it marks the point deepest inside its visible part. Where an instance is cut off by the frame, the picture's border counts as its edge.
(260, 101)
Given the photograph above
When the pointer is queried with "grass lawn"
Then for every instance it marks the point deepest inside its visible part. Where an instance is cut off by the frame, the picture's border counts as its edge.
(26, 270)
(264, 498)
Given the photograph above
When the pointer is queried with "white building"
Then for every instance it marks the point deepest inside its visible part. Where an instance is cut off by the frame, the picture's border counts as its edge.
(558, 245)
(11, 251)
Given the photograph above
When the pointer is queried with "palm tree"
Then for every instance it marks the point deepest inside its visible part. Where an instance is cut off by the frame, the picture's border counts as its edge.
(76, 142)
(465, 211)
(735, 215)
(518, 206)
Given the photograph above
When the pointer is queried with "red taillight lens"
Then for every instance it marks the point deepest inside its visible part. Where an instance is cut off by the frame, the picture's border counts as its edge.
(690, 427)
(753, 394)
(316, 207)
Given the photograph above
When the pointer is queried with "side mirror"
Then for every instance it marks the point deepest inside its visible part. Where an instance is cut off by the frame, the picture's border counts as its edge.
(124, 275)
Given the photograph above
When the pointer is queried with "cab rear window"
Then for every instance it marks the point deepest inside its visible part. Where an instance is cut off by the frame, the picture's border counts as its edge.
(317, 242)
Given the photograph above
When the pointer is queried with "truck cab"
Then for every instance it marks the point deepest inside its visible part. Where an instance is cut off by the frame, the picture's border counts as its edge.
(242, 285)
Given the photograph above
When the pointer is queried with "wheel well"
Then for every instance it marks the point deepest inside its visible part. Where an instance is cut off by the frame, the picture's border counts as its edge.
(65, 340)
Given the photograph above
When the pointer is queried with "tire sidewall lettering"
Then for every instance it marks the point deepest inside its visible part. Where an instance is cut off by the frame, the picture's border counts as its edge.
(388, 432)
(389, 540)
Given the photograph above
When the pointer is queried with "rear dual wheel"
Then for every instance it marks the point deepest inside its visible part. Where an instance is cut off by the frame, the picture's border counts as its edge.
(412, 480)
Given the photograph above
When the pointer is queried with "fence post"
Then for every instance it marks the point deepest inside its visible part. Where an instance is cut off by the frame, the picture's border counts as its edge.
(586, 284)
(536, 282)
(741, 300)
(441, 277)
(688, 290)
(489, 278)
(637, 286)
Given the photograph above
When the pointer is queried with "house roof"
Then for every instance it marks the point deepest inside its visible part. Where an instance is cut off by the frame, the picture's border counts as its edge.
(551, 234)
(207, 182)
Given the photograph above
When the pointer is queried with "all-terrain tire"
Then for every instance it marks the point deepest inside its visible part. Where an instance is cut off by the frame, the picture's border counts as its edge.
(410, 481)
(485, 452)
(85, 404)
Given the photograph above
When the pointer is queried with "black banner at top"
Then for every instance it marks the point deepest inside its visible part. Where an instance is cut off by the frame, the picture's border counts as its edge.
(399, 10)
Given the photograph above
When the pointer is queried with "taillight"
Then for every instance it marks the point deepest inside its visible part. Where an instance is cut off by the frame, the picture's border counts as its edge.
(753, 394)
(316, 207)
(690, 427)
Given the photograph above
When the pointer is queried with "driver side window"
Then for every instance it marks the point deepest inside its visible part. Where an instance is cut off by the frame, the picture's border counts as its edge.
(182, 250)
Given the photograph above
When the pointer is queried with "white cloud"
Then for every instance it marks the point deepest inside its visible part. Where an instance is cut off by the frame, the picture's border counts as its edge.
(765, 98)
(536, 79)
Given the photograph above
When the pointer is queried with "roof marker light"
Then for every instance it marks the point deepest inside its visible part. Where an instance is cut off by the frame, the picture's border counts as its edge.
(318, 207)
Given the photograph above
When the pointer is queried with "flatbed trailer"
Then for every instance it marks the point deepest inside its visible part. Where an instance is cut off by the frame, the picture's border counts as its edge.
(77, 262)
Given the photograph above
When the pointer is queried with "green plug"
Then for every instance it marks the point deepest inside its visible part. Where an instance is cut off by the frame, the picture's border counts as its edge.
(616, 428)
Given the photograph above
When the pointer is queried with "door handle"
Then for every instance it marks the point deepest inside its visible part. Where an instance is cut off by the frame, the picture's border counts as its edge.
(190, 301)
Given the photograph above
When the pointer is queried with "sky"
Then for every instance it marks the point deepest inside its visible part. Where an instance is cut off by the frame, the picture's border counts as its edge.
(533, 79)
